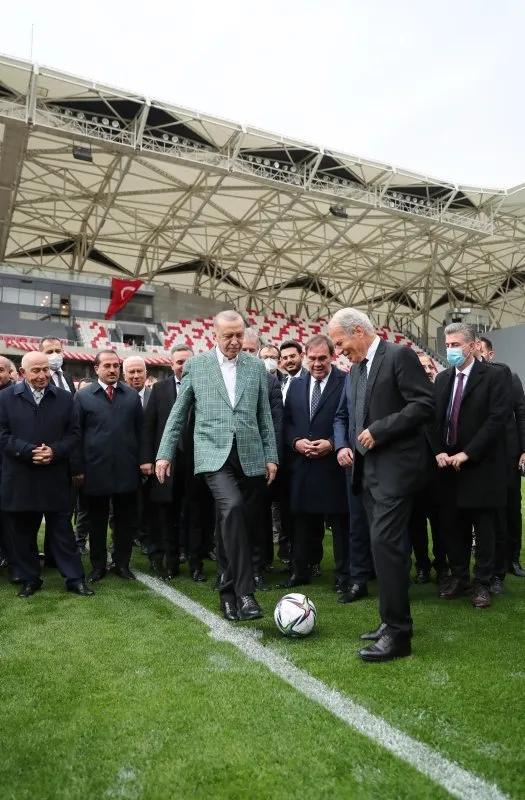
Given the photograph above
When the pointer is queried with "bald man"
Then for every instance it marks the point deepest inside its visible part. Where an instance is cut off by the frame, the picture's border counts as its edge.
(38, 433)
(234, 445)
(135, 374)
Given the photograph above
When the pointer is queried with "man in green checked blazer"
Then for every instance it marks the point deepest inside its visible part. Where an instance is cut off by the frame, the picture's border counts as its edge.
(234, 447)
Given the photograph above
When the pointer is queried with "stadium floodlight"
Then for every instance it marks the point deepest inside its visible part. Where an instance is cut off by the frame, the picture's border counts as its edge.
(293, 169)
(115, 123)
(174, 139)
(95, 120)
(165, 137)
(82, 154)
(338, 211)
(105, 121)
(81, 115)
(276, 165)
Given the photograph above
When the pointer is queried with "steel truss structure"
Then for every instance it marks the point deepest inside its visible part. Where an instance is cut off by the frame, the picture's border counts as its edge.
(102, 180)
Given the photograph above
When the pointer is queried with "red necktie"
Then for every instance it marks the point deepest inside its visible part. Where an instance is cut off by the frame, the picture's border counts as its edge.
(109, 392)
(454, 413)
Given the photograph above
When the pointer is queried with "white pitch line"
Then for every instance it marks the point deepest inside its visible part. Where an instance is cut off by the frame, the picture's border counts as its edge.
(456, 780)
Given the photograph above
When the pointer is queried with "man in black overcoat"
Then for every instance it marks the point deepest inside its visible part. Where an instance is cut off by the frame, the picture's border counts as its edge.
(317, 483)
(106, 465)
(38, 433)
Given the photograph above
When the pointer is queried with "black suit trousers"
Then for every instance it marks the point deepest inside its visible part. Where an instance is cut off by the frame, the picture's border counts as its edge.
(61, 541)
(308, 538)
(125, 522)
(388, 519)
(426, 510)
(457, 526)
(237, 499)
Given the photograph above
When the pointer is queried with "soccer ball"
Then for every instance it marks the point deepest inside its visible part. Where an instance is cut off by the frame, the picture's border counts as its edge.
(295, 615)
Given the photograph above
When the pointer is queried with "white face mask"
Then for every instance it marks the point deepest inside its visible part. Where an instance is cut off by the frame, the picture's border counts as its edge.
(55, 361)
(270, 364)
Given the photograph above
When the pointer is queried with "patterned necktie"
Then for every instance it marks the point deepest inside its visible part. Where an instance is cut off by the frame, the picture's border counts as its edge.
(360, 404)
(109, 392)
(452, 434)
(316, 396)
(60, 379)
(38, 397)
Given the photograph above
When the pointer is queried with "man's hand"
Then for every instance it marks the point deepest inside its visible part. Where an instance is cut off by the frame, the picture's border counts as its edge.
(78, 481)
(147, 469)
(271, 472)
(42, 455)
(303, 446)
(345, 457)
(320, 448)
(521, 462)
(442, 460)
(366, 439)
(457, 460)
(162, 469)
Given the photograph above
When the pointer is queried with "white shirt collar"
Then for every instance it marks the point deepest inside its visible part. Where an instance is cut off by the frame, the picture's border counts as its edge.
(372, 349)
(142, 393)
(35, 391)
(466, 372)
(324, 381)
(105, 385)
(223, 360)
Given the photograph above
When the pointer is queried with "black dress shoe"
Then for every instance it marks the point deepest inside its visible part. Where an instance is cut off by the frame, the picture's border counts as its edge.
(517, 570)
(293, 580)
(315, 570)
(212, 555)
(268, 567)
(3, 561)
(496, 587)
(373, 636)
(386, 648)
(123, 572)
(355, 592)
(81, 588)
(182, 557)
(248, 607)
(96, 575)
(15, 578)
(341, 586)
(229, 610)
(29, 588)
(198, 576)
(422, 576)
(260, 583)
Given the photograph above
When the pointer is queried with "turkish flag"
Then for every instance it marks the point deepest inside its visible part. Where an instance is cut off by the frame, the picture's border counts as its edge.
(121, 292)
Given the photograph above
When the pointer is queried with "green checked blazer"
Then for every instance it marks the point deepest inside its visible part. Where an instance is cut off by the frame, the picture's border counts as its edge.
(216, 422)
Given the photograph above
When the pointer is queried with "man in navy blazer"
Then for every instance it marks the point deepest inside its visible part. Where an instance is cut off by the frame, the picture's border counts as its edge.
(317, 483)
(106, 465)
(38, 432)
(361, 560)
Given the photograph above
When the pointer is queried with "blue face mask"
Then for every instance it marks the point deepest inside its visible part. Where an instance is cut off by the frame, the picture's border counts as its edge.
(455, 357)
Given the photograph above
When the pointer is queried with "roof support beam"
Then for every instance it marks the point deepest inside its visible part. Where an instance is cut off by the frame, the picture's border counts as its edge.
(14, 148)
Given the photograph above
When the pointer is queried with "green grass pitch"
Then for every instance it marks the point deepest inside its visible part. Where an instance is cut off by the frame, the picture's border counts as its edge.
(125, 696)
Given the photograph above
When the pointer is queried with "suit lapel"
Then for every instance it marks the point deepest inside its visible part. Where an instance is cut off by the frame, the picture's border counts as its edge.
(306, 394)
(329, 389)
(216, 372)
(374, 370)
(474, 378)
(243, 366)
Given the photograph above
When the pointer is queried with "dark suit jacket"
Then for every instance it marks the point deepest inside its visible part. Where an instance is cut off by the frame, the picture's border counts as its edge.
(516, 424)
(317, 486)
(110, 429)
(275, 396)
(162, 398)
(147, 395)
(483, 416)
(67, 380)
(399, 401)
(24, 426)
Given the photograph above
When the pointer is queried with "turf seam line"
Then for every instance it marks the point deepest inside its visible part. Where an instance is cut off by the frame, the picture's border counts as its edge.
(457, 781)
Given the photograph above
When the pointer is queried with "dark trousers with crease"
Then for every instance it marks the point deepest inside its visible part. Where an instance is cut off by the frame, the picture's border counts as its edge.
(61, 542)
(308, 543)
(425, 509)
(362, 567)
(237, 499)
(458, 524)
(388, 519)
(125, 527)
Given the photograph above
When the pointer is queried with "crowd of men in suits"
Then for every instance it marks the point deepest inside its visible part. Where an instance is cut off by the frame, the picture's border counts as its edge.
(248, 446)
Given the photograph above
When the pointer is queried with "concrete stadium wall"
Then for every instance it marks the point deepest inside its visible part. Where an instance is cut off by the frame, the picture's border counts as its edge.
(509, 345)
(170, 305)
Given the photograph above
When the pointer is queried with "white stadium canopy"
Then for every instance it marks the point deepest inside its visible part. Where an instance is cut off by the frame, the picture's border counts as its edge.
(101, 180)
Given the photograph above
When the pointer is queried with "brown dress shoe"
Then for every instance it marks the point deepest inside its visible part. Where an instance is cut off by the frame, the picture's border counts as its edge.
(480, 596)
(453, 588)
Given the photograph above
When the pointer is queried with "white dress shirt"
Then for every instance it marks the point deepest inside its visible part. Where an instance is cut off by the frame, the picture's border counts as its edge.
(288, 383)
(372, 350)
(229, 373)
(141, 395)
(323, 384)
(466, 372)
(56, 381)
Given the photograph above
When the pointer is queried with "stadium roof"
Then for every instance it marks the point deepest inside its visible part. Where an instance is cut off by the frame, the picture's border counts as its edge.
(98, 179)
